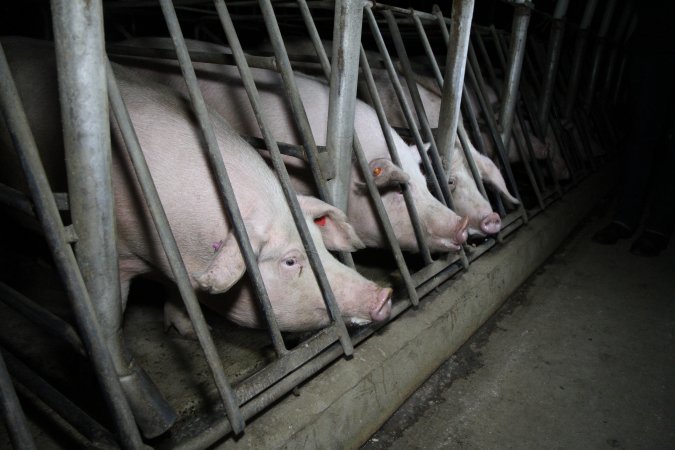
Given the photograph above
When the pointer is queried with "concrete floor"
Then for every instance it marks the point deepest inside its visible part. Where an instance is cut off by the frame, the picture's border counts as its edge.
(581, 356)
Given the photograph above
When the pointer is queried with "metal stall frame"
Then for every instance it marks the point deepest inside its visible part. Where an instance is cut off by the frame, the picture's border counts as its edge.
(254, 394)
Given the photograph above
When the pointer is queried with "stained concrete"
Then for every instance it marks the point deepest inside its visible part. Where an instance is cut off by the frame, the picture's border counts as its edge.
(581, 356)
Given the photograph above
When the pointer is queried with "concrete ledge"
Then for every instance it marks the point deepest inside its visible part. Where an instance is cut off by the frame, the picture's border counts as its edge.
(351, 399)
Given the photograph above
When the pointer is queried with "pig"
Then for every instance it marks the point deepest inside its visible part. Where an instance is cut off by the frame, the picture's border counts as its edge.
(172, 145)
(540, 149)
(444, 230)
(466, 197)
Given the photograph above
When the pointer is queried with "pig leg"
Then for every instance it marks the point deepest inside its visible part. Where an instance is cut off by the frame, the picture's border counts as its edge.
(176, 317)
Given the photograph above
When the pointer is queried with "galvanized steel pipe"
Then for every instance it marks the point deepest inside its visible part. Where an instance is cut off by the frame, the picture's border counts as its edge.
(342, 100)
(455, 66)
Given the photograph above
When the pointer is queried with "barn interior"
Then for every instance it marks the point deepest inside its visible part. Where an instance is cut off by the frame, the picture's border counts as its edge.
(543, 333)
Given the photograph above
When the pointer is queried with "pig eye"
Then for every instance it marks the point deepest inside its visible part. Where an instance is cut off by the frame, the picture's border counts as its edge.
(290, 262)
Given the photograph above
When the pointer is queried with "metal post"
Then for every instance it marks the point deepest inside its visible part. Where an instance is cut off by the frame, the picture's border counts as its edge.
(455, 66)
(342, 101)
(554, 49)
(579, 50)
(598, 52)
(80, 59)
(521, 20)
(48, 214)
(170, 247)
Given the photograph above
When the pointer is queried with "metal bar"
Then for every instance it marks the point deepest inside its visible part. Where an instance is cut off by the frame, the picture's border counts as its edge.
(437, 164)
(383, 217)
(314, 37)
(280, 168)
(521, 19)
(579, 50)
(80, 62)
(435, 185)
(433, 151)
(42, 317)
(407, 195)
(342, 99)
(428, 50)
(477, 82)
(64, 259)
(455, 66)
(11, 410)
(598, 52)
(59, 403)
(554, 49)
(297, 108)
(170, 247)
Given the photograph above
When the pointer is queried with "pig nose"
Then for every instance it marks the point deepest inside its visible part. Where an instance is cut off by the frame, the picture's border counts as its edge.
(461, 232)
(491, 224)
(382, 308)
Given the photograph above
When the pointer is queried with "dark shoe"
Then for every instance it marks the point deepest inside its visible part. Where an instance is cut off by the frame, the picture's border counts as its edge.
(649, 243)
(612, 233)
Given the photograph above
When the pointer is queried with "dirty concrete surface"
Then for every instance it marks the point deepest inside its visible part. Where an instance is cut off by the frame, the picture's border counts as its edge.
(581, 356)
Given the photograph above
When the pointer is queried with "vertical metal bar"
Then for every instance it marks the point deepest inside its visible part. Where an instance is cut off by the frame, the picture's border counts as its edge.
(554, 49)
(11, 411)
(478, 84)
(455, 66)
(487, 63)
(579, 50)
(223, 180)
(428, 50)
(314, 37)
(386, 131)
(342, 101)
(599, 50)
(521, 19)
(437, 164)
(170, 247)
(80, 63)
(436, 187)
(64, 258)
(381, 212)
(280, 168)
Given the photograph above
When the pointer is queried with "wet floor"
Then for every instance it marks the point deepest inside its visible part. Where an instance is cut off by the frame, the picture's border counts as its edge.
(581, 356)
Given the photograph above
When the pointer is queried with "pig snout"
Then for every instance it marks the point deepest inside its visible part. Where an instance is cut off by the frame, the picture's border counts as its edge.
(491, 224)
(382, 308)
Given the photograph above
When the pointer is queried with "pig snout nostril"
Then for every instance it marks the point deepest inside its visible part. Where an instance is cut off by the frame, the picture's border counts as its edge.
(491, 224)
(382, 308)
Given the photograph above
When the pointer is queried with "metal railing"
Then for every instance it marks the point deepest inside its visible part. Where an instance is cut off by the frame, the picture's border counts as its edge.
(468, 52)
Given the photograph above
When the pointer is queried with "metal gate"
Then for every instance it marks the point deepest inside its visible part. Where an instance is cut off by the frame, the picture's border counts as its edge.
(463, 60)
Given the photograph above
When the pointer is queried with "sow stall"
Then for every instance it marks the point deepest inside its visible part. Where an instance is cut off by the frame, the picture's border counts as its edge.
(113, 378)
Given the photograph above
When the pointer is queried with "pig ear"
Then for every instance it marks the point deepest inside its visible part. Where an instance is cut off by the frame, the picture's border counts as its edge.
(490, 173)
(225, 269)
(336, 232)
(385, 174)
